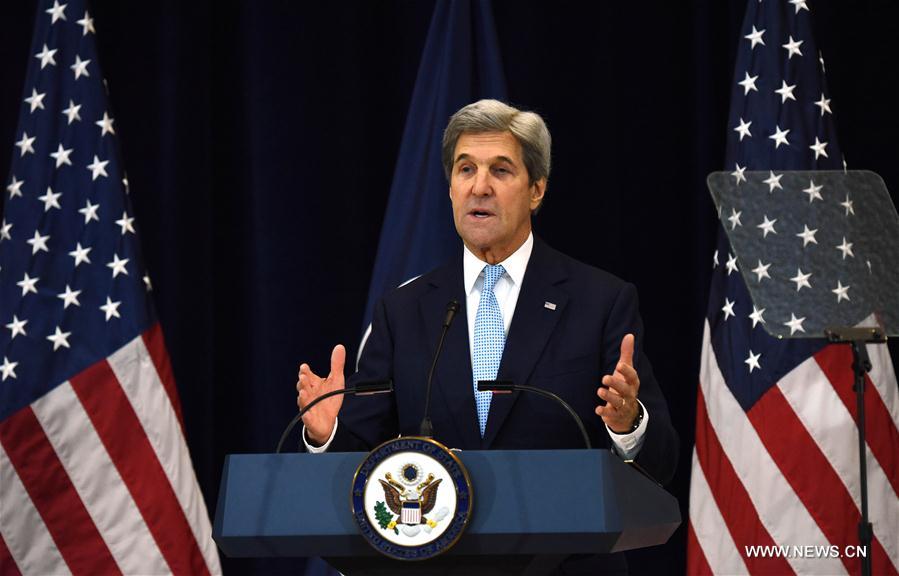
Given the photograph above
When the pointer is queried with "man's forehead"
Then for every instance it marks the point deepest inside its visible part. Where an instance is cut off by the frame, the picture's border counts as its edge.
(488, 146)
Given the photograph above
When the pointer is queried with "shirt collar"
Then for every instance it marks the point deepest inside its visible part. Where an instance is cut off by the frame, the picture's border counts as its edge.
(515, 264)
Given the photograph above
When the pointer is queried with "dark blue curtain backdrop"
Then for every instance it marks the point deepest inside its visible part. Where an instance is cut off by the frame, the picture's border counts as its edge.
(261, 139)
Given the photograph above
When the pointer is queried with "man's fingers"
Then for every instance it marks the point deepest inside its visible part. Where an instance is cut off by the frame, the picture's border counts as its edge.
(627, 371)
(608, 395)
(627, 350)
(303, 398)
(610, 410)
(617, 383)
(308, 381)
(338, 359)
(306, 374)
(614, 402)
(307, 378)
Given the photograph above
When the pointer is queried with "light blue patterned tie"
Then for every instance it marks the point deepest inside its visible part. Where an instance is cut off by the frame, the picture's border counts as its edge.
(489, 341)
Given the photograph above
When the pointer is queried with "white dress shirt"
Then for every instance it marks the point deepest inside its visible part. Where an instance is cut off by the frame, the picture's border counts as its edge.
(506, 290)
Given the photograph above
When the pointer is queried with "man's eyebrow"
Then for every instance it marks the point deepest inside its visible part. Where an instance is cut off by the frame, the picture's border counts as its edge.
(464, 156)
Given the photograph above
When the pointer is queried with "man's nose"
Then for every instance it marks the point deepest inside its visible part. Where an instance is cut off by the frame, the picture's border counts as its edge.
(482, 185)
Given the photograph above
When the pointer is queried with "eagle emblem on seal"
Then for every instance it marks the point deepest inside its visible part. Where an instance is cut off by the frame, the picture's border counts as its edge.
(408, 501)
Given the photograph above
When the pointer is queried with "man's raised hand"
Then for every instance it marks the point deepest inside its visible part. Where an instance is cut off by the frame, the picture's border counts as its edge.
(619, 390)
(321, 419)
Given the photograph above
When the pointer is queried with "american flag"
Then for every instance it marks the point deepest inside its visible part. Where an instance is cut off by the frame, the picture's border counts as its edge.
(95, 475)
(776, 456)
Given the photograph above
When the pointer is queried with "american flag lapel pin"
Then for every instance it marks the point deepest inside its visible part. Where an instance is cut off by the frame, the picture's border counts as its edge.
(549, 305)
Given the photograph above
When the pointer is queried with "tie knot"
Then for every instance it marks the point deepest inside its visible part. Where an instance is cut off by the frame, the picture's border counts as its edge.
(492, 273)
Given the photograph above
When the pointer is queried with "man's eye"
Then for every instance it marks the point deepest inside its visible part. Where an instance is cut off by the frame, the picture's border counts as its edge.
(465, 169)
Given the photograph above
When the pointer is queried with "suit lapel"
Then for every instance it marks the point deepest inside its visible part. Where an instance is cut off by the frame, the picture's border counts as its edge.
(532, 324)
(452, 386)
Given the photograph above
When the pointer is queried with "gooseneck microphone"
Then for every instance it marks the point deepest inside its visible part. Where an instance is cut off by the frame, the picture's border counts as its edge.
(361, 389)
(427, 428)
(505, 387)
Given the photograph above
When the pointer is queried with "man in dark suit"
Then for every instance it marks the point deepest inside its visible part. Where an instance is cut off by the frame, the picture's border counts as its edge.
(529, 314)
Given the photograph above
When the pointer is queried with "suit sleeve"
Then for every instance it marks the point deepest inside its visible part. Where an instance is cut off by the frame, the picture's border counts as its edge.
(366, 421)
(659, 453)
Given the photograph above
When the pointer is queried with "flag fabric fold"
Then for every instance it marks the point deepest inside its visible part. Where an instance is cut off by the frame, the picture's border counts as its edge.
(95, 473)
(775, 485)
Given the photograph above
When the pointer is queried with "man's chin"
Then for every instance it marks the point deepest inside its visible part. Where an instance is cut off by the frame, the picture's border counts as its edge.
(478, 241)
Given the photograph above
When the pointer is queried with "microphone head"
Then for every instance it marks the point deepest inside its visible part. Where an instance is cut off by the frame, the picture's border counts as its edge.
(496, 386)
(427, 427)
(369, 387)
(452, 308)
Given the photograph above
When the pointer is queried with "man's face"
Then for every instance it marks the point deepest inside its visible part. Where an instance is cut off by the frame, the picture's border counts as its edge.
(492, 199)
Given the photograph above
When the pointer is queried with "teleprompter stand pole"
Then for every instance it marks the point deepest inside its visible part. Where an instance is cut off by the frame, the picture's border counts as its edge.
(858, 338)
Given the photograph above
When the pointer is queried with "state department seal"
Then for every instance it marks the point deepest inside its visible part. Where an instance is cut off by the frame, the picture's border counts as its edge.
(411, 498)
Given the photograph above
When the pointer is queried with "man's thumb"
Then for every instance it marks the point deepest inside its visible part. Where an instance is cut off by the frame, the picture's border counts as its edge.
(627, 350)
(338, 359)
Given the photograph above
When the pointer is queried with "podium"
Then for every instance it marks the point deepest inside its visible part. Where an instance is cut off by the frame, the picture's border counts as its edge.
(531, 509)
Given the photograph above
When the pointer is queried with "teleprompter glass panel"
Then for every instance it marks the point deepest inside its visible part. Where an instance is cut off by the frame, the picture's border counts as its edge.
(815, 248)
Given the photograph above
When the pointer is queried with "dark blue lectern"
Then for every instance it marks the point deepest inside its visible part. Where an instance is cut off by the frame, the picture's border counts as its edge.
(531, 509)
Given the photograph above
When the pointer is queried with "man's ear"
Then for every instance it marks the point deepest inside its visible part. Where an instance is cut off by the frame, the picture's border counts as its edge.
(538, 189)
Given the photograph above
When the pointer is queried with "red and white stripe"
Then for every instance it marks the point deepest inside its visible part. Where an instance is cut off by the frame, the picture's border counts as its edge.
(27, 541)
(786, 472)
(95, 476)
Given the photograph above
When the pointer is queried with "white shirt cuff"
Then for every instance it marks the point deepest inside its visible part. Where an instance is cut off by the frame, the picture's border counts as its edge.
(324, 447)
(628, 445)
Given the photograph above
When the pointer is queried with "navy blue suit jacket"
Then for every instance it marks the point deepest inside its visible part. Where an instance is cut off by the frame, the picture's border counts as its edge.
(566, 350)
